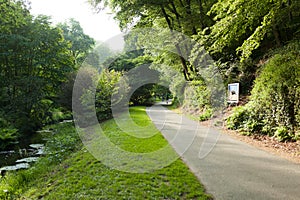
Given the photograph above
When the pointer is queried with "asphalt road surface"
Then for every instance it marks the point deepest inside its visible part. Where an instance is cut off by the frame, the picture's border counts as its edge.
(228, 168)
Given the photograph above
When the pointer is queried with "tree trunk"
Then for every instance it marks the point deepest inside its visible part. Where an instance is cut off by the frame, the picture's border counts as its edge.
(289, 4)
(189, 13)
(277, 36)
(182, 60)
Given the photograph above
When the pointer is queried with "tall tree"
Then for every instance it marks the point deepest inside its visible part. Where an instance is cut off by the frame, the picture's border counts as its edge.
(79, 43)
(185, 16)
(34, 61)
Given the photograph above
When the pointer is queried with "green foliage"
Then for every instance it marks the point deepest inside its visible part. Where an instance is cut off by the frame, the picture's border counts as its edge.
(274, 106)
(239, 72)
(239, 116)
(243, 26)
(13, 15)
(206, 114)
(79, 44)
(128, 61)
(282, 133)
(60, 114)
(8, 133)
(142, 96)
(243, 119)
(276, 93)
(33, 63)
(63, 143)
(251, 126)
(35, 59)
(197, 100)
(66, 88)
(107, 86)
(187, 17)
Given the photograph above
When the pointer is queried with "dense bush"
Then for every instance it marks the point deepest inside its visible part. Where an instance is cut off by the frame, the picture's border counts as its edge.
(107, 86)
(197, 100)
(244, 120)
(239, 116)
(274, 107)
(8, 133)
(206, 114)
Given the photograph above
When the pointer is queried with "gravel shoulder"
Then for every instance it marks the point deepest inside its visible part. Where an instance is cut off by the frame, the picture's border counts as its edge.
(287, 150)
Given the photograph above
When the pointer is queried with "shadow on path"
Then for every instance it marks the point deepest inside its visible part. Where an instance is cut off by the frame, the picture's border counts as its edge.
(231, 169)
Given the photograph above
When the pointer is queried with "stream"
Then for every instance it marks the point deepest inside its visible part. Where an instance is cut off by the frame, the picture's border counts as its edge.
(26, 151)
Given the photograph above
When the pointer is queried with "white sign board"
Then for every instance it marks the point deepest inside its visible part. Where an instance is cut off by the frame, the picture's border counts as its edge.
(233, 93)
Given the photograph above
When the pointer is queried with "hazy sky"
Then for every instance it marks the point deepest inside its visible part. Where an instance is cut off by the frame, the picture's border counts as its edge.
(100, 26)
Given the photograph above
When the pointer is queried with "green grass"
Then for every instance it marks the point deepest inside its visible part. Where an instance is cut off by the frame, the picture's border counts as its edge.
(131, 143)
(80, 176)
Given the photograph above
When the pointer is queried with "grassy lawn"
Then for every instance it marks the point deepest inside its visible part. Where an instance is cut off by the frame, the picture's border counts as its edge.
(80, 176)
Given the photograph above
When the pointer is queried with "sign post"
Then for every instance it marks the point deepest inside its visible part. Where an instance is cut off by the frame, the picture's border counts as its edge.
(233, 93)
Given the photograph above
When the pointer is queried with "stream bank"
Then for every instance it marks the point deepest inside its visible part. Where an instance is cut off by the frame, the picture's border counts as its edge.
(26, 151)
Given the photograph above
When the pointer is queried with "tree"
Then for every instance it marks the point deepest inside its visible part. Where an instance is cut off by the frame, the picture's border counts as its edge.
(79, 43)
(34, 61)
(176, 15)
(243, 26)
(13, 15)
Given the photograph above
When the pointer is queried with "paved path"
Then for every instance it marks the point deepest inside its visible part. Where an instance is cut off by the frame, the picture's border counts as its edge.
(232, 169)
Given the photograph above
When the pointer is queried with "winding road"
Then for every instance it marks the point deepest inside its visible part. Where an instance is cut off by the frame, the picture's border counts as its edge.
(229, 169)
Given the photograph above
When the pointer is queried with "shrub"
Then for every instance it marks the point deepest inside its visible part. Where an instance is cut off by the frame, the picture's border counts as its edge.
(239, 116)
(142, 96)
(60, 114)
(276, 93)
(282, 133)
(109, 91)
(251, 125)
(207, 114)
(274, 105)
(107, 86)
(196, 97)
(8, 133)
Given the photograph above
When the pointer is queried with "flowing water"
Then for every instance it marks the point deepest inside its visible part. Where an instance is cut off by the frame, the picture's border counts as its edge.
(23, 153)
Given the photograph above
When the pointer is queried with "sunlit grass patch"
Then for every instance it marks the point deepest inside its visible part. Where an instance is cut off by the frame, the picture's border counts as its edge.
(81, 176)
